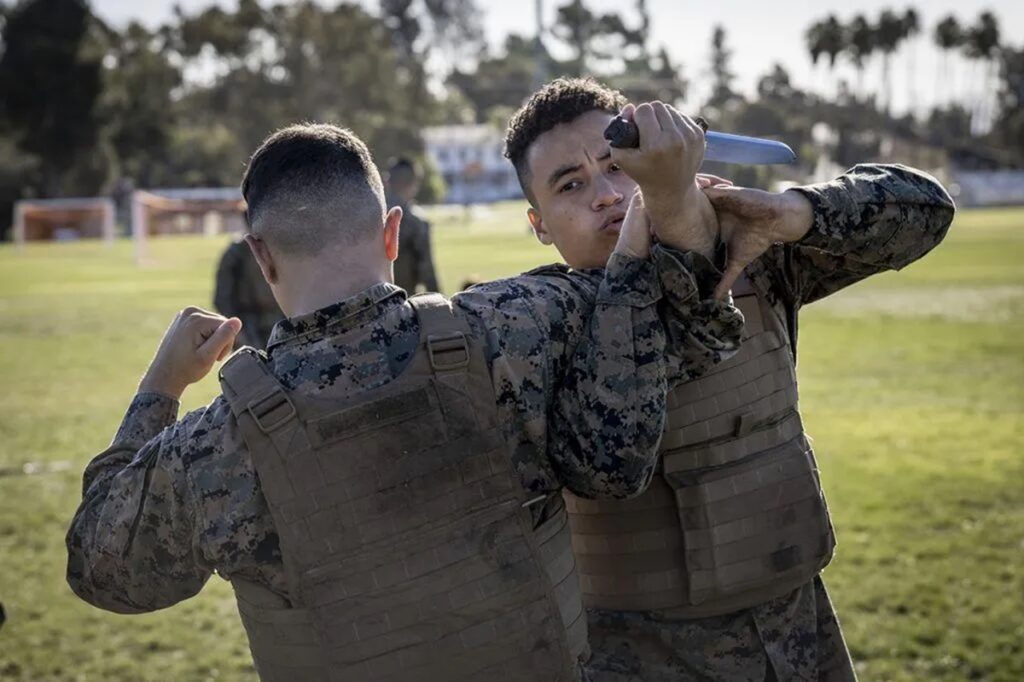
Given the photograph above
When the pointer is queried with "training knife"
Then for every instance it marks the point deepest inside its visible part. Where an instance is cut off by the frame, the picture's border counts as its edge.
(722, 147)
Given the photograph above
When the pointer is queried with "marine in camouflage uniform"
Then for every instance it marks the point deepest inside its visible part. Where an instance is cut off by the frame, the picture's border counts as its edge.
(712, 573)
(414, 267)
(415, 263)
(872, 219)
(578, 360)
(241, 291)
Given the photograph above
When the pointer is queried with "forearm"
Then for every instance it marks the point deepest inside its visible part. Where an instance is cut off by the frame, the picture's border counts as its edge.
(125, 554)
(885, 215)
(701, 331)
(683, 219)
(609, 406)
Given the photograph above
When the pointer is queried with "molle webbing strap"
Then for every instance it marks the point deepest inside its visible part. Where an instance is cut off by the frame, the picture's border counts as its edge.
(760, 356)
(554, 540)
(728, 450)
(737, 422)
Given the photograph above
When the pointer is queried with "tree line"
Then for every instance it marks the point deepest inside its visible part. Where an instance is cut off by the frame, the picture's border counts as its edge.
(86, 107)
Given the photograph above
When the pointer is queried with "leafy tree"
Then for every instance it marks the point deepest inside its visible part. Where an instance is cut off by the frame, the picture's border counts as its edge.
(722, 94)
(500, 81)
(51, 79)
(139, 104)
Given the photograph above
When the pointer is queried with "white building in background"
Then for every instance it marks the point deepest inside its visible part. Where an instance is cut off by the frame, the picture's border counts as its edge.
(470, 159)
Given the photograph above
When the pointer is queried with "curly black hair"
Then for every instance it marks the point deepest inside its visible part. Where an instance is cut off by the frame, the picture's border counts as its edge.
(561, 101)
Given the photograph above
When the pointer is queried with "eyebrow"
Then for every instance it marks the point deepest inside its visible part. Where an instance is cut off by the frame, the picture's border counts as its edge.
(562, 171)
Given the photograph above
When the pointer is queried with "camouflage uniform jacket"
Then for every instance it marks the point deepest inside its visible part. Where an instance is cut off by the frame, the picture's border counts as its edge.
(241, 291)
(872, 219)
(578, 363)
(415, 262)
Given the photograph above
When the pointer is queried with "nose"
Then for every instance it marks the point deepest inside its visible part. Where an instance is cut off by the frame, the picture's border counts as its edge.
(605, 193)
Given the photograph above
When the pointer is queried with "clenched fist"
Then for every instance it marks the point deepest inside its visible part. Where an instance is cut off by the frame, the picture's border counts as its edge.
(195, 340)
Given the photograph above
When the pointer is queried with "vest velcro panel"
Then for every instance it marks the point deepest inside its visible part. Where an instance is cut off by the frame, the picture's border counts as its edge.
(735, 514)
(403, 528)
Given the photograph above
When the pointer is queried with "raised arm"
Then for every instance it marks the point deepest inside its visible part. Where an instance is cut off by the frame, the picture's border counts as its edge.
(131, 544)
(580, 358)
(821, 238)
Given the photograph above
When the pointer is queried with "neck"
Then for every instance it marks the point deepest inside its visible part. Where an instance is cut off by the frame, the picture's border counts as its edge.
(316, 286)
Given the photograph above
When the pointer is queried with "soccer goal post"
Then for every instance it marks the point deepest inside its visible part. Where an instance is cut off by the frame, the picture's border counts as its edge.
(203, 210)
(63, 220)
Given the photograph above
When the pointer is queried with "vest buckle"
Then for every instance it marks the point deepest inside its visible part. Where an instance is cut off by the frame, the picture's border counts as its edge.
(272, 410)
(455, 348)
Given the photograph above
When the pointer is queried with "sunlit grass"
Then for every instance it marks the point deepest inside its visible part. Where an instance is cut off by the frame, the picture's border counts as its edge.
(912, 385)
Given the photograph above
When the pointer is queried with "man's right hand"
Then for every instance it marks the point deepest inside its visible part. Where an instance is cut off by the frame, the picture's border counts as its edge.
(665, 166)
(195, 340)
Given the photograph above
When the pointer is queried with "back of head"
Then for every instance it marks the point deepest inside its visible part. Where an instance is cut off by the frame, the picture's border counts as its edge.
(563, 100)
(313, 186)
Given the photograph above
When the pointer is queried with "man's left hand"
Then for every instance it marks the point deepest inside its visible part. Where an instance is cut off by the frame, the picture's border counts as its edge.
(751, 220)
(195, 340)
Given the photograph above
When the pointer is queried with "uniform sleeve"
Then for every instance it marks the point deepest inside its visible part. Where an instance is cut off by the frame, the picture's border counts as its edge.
(700, 330)
(131, 545)
(578, 362)
(871, 219)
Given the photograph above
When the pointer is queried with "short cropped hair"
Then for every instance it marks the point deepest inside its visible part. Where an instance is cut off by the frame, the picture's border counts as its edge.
(312, 185)
(563, 100)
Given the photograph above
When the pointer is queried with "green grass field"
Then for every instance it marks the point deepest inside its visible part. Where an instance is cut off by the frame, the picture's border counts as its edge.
(912, 386)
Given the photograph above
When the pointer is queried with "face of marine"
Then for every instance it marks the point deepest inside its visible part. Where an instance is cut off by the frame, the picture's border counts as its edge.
(580, 195)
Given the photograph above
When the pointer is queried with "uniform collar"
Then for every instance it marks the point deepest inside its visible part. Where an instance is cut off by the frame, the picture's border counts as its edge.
(336, 317)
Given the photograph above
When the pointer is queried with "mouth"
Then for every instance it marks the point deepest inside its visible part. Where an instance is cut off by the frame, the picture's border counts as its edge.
(613, 223)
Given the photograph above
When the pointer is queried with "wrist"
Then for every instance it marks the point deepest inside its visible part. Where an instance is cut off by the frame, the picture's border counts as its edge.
(797, 217)
(155, 381)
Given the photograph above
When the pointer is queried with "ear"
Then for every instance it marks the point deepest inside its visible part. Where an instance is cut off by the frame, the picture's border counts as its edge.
(263, 257)
(392, 221)
(537, 223)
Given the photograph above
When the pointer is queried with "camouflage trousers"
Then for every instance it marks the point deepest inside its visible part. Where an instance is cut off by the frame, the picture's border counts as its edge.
(795, 637)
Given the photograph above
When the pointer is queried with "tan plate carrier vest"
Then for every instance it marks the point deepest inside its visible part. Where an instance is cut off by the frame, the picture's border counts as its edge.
(408, 541)
(735, 515)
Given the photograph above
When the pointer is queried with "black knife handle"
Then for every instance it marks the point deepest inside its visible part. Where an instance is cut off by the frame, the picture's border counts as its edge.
(624, 134)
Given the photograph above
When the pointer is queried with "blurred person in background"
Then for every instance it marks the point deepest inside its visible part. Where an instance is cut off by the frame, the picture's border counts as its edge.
(414, 269)
(241, 291)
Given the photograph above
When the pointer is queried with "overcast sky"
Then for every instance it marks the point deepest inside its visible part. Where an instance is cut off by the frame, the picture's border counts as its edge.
(759, 32)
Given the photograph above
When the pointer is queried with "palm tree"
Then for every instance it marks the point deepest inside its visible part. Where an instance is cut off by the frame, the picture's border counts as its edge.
(911, 28)
(860, 43)
(814, 39)
(948, 36)
(982, 45)
(888, 36)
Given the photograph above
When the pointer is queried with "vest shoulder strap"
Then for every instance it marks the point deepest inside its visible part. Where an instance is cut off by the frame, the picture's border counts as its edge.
(254, 392)
(443, 336)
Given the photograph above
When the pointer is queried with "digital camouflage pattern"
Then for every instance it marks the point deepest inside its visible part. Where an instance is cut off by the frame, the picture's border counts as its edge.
(578, 361)
(871, 219)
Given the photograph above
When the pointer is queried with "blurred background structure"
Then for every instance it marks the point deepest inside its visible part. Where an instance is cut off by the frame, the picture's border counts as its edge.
(96, 98)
